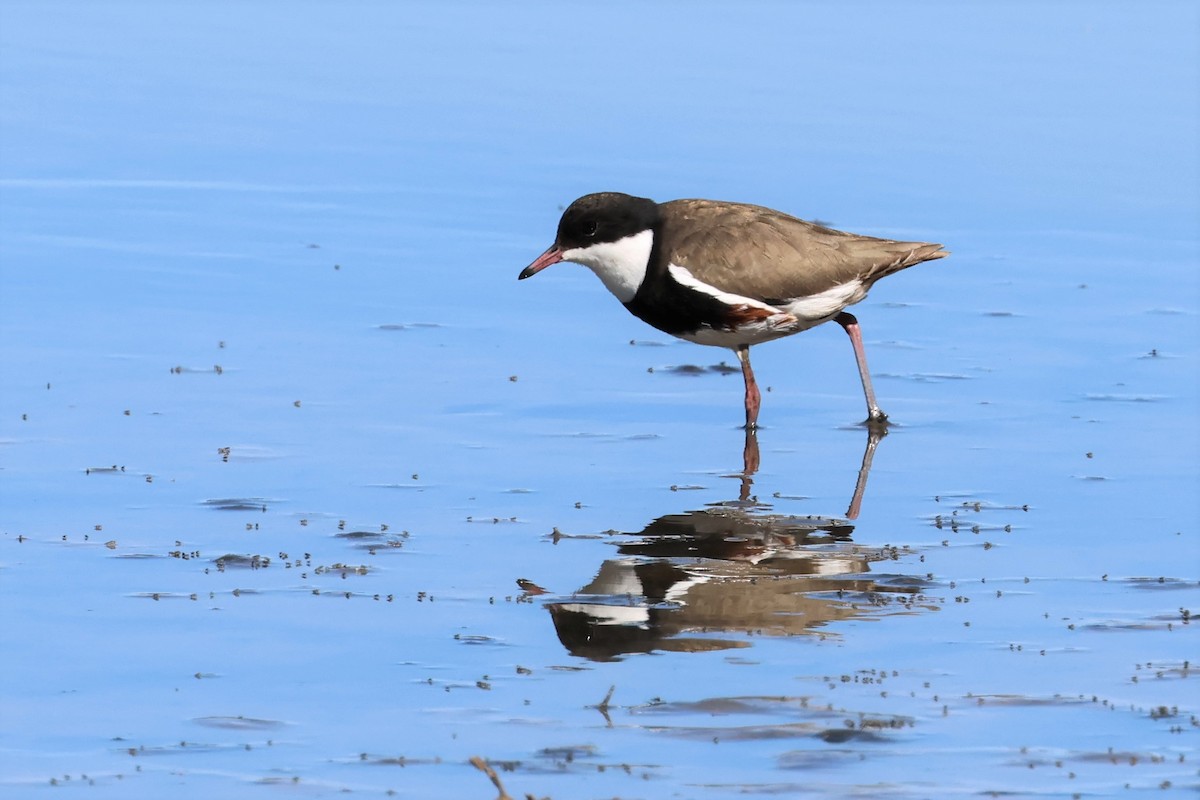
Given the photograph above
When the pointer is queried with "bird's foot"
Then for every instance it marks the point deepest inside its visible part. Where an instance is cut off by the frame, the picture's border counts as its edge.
(877, 420)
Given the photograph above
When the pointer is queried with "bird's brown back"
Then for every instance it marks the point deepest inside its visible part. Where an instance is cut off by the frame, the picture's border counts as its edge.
(767, 255)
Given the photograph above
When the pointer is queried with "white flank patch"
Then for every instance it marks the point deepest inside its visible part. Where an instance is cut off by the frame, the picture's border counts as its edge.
(786, 319)
(820, 307)
(620, 264)
(780, 323)
(686, 278)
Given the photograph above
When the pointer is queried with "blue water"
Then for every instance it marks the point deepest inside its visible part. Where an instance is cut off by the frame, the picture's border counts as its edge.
(258, 298)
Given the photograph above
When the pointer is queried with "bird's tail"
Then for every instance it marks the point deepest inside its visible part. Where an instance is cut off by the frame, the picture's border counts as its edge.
(904, 255)
(919, 252)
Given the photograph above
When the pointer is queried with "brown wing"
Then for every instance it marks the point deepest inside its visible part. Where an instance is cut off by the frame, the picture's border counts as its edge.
(767, 255)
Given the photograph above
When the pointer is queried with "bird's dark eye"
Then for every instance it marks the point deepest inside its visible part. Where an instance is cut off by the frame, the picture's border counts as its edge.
(589, 228)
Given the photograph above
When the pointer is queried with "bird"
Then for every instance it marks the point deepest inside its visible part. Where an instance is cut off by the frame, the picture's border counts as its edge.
(729, 274)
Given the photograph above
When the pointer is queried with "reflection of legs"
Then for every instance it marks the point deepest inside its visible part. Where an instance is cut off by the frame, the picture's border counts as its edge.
(753, 398)
(750, 462)
(850, 324)
(750, 458)
(874, 434)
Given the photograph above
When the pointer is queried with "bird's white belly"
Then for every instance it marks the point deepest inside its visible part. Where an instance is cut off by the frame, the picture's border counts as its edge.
(749, 333)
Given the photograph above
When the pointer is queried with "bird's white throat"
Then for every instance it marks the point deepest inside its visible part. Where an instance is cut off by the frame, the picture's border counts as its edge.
(621, 265)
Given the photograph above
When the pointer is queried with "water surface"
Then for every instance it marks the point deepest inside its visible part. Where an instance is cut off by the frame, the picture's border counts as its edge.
(303, 492)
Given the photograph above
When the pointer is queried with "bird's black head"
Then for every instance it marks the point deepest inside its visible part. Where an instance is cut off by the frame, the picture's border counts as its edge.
(590, 224)
(604, 217)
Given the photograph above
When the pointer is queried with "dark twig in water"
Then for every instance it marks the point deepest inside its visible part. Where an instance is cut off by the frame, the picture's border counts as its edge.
(486, 769)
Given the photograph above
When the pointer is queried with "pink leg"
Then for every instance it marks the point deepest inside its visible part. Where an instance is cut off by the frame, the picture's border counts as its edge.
(753, 398)
(848, 321)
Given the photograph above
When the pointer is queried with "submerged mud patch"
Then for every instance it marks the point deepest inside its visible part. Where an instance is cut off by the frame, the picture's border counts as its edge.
(239, 723)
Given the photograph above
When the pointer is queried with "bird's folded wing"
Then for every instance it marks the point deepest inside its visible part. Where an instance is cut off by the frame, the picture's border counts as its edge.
(773, 257)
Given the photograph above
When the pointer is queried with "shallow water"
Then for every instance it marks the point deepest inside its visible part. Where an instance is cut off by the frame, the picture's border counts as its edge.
(303, 492)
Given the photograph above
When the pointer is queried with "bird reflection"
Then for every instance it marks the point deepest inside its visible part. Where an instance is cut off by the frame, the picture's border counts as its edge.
(686, 581)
